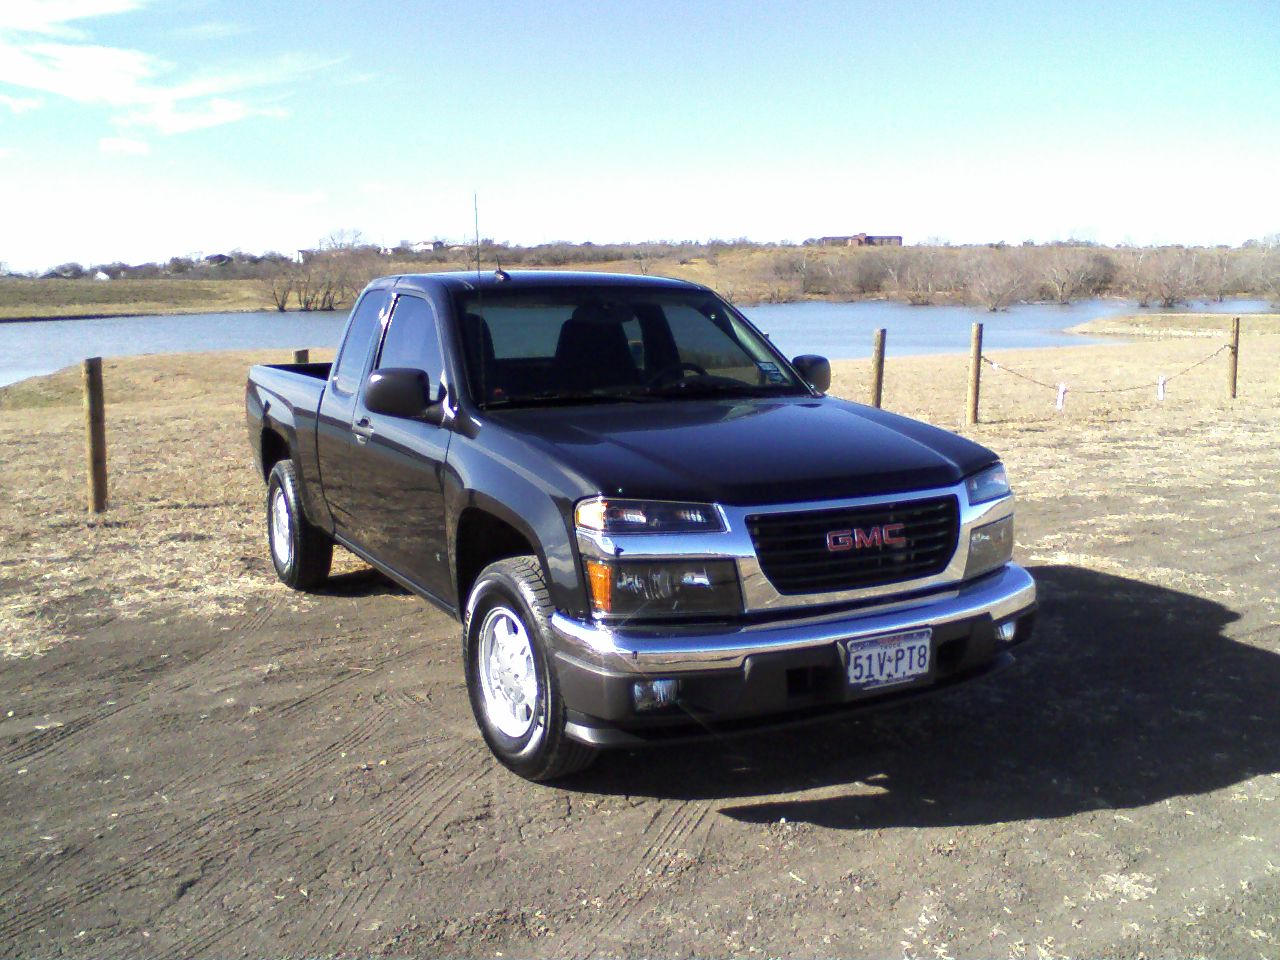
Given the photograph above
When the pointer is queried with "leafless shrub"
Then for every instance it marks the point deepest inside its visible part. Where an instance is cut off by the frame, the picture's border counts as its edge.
(919, 274)
(996, 277)
(1067, 272)
(1164, 275)
(277, 284)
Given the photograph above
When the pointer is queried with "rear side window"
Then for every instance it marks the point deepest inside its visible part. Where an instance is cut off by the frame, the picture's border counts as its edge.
(411, 339)
(365, 326)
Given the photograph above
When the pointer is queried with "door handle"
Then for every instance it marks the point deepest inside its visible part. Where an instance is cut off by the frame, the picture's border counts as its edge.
(363, 429)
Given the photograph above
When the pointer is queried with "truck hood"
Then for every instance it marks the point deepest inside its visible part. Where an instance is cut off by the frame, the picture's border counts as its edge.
(746, 452)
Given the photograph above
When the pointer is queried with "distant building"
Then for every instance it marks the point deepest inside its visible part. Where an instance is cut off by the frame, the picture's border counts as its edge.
(860, 240)
(427, 246)
(102, 275)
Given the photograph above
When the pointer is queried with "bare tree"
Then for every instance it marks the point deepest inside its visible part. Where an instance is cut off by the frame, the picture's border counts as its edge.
(1220, 273)
(862, 272)
(996, 277)
(1067, 272)
(278, 284)
(790, 267)
(919, 274)
(1268, 274)
(1166, 275)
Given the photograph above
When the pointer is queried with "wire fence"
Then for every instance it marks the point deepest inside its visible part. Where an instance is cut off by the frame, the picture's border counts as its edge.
(1005, 368)
(978, 359)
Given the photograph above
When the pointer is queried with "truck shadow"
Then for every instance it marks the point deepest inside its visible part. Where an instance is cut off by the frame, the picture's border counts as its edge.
(360, 583)
(1129, 694)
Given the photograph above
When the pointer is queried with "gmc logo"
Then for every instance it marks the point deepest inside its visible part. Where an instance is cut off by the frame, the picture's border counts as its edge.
(886, 535)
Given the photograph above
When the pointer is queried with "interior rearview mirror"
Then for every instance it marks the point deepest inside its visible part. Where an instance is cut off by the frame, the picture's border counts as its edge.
(398, 392)
(816, 370)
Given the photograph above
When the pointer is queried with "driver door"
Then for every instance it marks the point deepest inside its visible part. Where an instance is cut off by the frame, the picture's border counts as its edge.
(399, 516)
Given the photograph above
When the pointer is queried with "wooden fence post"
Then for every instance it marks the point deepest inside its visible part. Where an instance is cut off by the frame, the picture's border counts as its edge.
(95, 434)
(975, 373)
(302, 356)
(1233, 363)
(877, 369)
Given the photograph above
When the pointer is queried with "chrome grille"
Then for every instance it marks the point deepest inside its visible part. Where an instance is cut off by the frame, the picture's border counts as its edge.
(793, 552)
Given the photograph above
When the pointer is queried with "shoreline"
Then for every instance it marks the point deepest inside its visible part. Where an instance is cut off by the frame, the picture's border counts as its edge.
(175, 312)
(1115, 340)
(1104, 331)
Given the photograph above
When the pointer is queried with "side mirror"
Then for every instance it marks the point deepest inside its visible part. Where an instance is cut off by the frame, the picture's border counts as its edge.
(816, 370)
(398, 392)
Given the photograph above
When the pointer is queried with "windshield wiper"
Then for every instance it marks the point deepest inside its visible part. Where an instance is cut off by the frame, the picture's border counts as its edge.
(567, 399)
(695, 387)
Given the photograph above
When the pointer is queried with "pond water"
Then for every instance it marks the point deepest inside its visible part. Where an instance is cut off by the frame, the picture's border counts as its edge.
(846, 330)
(840, 331)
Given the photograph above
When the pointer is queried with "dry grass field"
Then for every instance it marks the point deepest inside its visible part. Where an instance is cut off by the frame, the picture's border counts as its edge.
(195, 761)
(22, 299)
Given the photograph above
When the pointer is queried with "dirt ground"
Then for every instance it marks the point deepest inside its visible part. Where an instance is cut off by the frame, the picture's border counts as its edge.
(195, 761)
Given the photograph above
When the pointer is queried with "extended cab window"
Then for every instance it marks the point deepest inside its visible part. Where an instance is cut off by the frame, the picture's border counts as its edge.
(366, 324)
(411, 339)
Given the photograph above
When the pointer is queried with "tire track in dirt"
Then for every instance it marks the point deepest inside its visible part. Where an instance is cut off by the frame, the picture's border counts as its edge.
(39, 744)
(191, 843)
(201, 943)
(417, 808)
(682, 827)
(354, 673)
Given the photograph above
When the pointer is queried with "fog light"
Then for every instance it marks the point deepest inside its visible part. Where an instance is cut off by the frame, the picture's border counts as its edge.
(1005, 632)
(654, 694)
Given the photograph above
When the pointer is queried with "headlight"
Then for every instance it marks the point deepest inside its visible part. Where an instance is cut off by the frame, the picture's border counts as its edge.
(663, 588)
(990, 484)
(990, 546)
(646, 516)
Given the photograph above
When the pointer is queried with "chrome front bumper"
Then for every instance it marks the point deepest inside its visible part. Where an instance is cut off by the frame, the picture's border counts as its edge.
(615, 651)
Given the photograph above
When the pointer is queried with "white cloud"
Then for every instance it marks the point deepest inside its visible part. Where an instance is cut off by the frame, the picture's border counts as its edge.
(212, 30)
(50, 17)
(20, 104)
(124, 146)
(171, 118)
(6, 153)
(81, 72)
(38, 52)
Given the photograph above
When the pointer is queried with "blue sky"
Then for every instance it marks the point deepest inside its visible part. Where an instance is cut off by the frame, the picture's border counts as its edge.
(143, 129)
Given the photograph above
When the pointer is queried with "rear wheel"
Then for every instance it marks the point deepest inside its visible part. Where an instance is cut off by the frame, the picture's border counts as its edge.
(300, 552)
(510, 679)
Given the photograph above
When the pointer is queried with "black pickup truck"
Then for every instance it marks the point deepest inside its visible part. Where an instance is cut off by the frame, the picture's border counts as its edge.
(650, 523)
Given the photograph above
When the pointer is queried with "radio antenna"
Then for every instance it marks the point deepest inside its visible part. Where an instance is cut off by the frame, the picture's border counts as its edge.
(475, 203)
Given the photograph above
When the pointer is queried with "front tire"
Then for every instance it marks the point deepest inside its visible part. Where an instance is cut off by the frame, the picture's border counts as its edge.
(301, 553)
(510, 679)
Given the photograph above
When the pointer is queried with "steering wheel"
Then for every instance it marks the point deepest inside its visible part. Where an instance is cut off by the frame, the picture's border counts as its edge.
(678, 367)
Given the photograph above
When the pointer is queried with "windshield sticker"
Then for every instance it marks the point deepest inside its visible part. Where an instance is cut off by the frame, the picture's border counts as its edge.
(771, 372)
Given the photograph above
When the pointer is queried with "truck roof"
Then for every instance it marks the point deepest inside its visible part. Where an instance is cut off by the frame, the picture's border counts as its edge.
(463, 280)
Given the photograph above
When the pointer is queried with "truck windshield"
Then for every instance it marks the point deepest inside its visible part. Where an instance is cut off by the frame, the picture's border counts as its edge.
(581, 345)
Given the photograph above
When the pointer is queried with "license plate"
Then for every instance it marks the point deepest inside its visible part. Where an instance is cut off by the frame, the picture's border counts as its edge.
(891, 659)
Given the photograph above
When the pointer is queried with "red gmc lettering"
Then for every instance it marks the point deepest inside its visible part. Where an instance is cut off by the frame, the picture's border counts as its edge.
(862, 538)
(893, 535)
(888, 535)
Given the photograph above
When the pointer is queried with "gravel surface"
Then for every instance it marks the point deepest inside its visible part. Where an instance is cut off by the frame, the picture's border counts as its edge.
(195, 761)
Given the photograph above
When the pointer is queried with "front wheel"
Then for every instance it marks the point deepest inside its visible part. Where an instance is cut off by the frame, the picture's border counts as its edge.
(510, 680)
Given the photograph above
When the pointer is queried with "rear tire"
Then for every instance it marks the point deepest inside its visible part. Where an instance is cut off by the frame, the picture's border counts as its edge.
(510, 678)
(301, 553)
